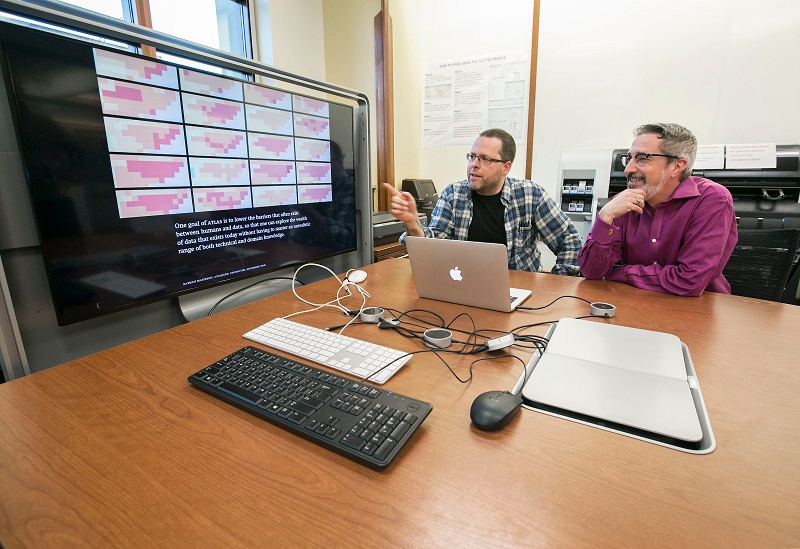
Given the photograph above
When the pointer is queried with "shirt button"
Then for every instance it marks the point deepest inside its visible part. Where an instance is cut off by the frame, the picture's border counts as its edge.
(610, 232)
(654, 241)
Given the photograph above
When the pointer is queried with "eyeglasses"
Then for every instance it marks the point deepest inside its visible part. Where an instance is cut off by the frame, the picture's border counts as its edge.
(642, 158)
(483, 160)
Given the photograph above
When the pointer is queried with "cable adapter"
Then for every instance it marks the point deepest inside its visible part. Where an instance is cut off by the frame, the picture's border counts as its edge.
(500, 342)
(388, 323)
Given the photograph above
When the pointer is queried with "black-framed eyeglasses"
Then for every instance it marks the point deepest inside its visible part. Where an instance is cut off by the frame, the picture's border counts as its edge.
(483, 160)
(642, 158)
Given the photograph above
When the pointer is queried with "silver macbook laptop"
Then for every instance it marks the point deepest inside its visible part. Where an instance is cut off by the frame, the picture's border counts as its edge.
(463, 272)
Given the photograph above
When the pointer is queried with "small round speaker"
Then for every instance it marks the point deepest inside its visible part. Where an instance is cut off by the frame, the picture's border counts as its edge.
(598, 308)
(438, 338)
(372, 315)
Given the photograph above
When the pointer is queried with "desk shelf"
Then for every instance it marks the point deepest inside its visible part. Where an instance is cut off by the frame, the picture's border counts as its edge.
(388, 251)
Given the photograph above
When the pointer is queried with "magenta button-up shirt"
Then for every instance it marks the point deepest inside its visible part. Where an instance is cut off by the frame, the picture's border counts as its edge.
(680, 249)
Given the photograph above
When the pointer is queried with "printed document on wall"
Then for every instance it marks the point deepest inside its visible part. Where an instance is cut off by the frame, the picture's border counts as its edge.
(462, 97)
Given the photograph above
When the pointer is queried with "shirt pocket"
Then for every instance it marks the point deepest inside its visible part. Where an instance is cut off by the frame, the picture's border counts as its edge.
(524, 236)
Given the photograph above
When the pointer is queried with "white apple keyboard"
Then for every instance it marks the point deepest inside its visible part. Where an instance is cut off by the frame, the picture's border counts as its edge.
(361, 359)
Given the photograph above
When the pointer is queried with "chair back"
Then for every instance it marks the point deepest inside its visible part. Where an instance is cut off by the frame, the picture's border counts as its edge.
(761, 262)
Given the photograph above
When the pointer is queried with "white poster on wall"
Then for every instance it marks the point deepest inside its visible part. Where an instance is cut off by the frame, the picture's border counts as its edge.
(751, 156)
(462, 97)
(709, 157)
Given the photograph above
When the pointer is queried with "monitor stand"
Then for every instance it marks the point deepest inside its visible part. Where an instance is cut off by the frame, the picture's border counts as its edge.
(196, 305)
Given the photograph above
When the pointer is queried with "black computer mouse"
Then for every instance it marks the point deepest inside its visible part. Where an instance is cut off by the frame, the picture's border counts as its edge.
(493, 410)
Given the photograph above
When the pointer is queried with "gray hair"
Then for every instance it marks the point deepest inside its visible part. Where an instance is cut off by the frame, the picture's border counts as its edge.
(675, 141)
(508, 148)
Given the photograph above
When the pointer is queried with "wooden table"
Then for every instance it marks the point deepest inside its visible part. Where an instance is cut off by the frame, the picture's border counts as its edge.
(118, 450)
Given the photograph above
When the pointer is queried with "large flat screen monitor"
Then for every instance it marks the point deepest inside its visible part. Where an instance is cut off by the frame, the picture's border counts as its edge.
(150, 179)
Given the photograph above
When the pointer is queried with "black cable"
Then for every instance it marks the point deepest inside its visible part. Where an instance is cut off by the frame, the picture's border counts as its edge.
(382, 368)
(471, 346)
(476, 348)
(449, 326)
(436, 352)
(472, 364)
(593, 317)
(399, 315)
(407, 332)
(340, 326)
(211, 310)
(556, 299)
(472, 335)
(411, 334)
(533, 325)
(538, 343)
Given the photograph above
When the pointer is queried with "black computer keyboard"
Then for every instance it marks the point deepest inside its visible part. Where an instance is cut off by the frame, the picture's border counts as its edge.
(359, 420)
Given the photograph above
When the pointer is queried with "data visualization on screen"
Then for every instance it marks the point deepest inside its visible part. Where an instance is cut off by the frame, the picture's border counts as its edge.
(183, 141)
(170, 179)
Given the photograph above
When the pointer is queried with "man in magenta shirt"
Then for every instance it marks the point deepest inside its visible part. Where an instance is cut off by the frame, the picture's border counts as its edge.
(668, 231)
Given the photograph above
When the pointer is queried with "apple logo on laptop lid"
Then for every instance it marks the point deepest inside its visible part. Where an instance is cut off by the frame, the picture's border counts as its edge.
(455, 273)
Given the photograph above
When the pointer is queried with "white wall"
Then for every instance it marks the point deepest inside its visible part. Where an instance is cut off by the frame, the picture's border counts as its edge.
(727, 69)
(326, 40)
(407, 99)
(453, 29)
(350, 54)
(290, 36)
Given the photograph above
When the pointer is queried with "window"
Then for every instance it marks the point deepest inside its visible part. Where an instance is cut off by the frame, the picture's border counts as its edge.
(220, 24)
(106, 7)
(112, 8)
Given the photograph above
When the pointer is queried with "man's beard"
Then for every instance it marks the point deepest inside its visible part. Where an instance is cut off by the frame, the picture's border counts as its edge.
(649, 190)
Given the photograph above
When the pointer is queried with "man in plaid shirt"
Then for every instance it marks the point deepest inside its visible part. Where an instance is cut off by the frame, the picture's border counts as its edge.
(490, 207)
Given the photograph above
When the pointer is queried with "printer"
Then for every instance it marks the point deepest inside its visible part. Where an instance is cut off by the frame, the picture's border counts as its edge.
(763, 198)
(386, 229)
(424, 192)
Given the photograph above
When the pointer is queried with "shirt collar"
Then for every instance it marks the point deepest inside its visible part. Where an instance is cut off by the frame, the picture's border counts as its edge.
(686, 189)
(505, 192)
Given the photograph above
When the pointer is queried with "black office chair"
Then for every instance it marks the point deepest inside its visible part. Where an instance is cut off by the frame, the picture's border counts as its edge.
(761, 263)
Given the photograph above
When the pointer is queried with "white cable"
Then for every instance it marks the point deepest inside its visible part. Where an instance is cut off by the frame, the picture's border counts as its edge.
(364, 296)
(336, 302)
(317, 306)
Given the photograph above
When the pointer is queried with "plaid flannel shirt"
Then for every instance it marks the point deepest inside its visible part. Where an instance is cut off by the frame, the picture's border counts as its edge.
(530, 215)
